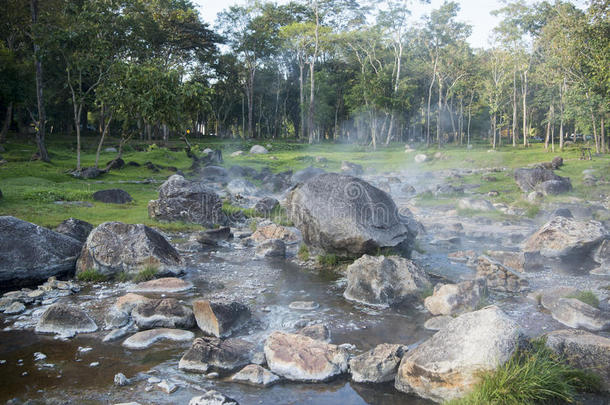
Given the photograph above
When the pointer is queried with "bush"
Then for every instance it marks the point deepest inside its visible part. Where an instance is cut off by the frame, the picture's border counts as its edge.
(47, 196)
(303, 253)
(147, 273)
(91, 275)
(328, 260)
(532, 375)
(122, 277)
(587, 297)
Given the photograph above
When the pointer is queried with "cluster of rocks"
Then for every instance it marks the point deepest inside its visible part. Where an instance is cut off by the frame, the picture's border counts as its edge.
(16, 302)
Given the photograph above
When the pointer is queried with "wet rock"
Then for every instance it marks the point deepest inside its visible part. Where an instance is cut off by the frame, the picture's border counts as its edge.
(520, 261)
(377, 365)
(300, 358)
(304, 305)
(120, 333)
(221, 355)
(112, 196)
(317, 332)
(145, 339)
(352, 169)
(447, 365)
(266, 205)
(31, 254)
(348, 216)
(267, 231)
(438, 322)
(65, 320)
(183, 200)
(167, 386)
(212, 398)
(499, 277)
(162, 285)
(420, 158)
(306, 174)
(220, 319)
(241, 187)
(254, 374)
(271, 248)
(555, 187)
(114, 247)
(583, 350)
(213, 236)
(163, 313)
(120, 380)
(475, 205)
(258, 150)
(75, 228)
(15, 308)
(568, 242)
(384, 281)
(452, 299)
(528, 178)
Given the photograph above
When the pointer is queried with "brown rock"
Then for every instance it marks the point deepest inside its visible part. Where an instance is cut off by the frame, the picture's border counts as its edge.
(220, 319)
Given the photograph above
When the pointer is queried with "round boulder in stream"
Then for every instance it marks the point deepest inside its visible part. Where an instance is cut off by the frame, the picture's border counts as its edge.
(346, 215)
(65, 320)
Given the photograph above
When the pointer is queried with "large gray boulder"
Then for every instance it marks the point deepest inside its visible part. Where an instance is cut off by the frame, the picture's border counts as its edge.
(258, 150)
(384, 281)
(447, 365)
(115, 247)
(112, 196)
(529, 178)
(301, 358)
(184, 200)
(583, 350)
(348, 216)
(567, 243)
(75, 228)
(30, 253)
(163, 313)
(220, 319)
(306, 174)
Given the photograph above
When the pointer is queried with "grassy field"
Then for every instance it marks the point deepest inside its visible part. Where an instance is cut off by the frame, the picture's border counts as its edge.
(31, 189)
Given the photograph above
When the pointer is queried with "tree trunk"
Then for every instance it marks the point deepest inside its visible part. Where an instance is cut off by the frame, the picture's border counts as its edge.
(602, 135)
(562, 90)
(310, 118)
(7, 122)
(42, 118)
(438, 113)
(548, 128)
(99, 145)
(514, 108)
(429, 101)
(301, 102)
(524, 95)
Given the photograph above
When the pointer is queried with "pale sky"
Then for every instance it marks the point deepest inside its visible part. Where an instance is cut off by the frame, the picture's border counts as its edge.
(474, 12)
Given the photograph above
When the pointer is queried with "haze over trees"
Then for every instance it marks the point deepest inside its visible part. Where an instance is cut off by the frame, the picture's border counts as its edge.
(313, 71)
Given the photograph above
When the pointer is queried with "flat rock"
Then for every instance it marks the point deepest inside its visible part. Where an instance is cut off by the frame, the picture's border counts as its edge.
(377, 365)
(115, 247)
(384, 281)
(163, 313)
(112, 196)
(145, 339)
(453, 299)
(300, 358)
(15, 308)
(447, 365)
(31, 254)
(212, 398)
(253, 374)
(583, 350)
(65, 320)
(221, 355)
(577, 314)
(220, 319)
(162, 285)
(304, 305)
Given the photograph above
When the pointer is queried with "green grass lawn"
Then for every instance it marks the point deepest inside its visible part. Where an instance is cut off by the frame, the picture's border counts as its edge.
(31, 188)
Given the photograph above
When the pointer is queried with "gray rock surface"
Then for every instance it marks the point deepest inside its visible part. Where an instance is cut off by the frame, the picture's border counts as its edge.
(447, 365)
(258, 150)
(528, 178)
(271, 248)
(30, 253)
(220, 319)
(306, 174)
(384, 281)
(75, 228)
(163, 313)
(377, 365)
(253, 374)
(65, 320)
(114, 247)
(453, 299)
(499, 277)
(216, 354)
(112, 196)
(212, 398)
(348, 216)
(145, 339)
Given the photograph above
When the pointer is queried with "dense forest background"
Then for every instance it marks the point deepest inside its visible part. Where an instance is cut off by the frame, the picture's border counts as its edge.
(313, 71)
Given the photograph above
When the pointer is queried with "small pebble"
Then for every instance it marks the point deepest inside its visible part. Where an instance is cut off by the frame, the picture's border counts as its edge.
(154, 380)
(39, 356)
(94, 364)
(84, 349)
(120, 380)
(167, 387)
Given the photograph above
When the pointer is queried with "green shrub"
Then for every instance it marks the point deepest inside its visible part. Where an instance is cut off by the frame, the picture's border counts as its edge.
(587, 297)
(303, 253)
(532, 375)
(48, 196)
(328, 260)
(122, 277)
(91, 275)
(147, 273)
